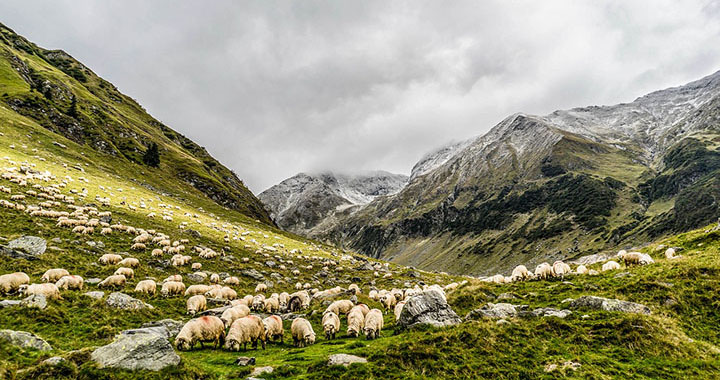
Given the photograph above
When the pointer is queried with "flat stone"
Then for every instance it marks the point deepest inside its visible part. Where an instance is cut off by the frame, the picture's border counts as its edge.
(244, 361)
(123, 301)
(93, 281)
(98, 294)
(138, 349)
(608, 304)
(36, 300)
(344, 359)
(53, 361)
(172, 326)
(261, 370)
(9, 303)
(252, 273)
(550, 312)
(496, 311)
(24, 339)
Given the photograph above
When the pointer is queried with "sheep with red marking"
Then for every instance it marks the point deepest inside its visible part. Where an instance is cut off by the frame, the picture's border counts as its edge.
(202, 330)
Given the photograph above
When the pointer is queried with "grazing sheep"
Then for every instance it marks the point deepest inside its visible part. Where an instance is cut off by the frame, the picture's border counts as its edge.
(331, 324)
(138, 247)
(261, 288)
(283, 299)
(670, 254)
(11, 282)
(232, 280)
(114, 281)
(544, 271)
(302, 332)
(388, 301)
(70, 283)
(561, 269)
(222, 293)
(127, 272)
(175, 277)
(272, 305)
(398, 309)
(373, 324)
(581, 269)
(52, 275)
(232, 313)
(194, 290)
(247, 301)
(298, 301)
(355, 321)
(354, 289)
(196, 266)
(373, 295)
(520, 273)
(105, 231)
(50, 291)
(610, 265)
(146, 286)
(196, 304)
(129, 262)
(245, 330)
(204, 329)
(273, 328)
(157, 253)
(340, 307)
(110, 259)
(214, 278)
(172, 288)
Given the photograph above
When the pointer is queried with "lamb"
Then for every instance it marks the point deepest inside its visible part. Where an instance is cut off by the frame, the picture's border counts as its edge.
(11, 282)
(544, 271)
(373, 324)
(373, 295)
(261, 288)
(129, 262)
(561, 269)
(193, 290)
(388, 301)
(245, 330)
(273, 328)
(340, 307)
(52, 275)
(231, 314)
(114, 281)
(272, 305)
(196, 304)
(196, 266)
(146, 286)
(355, 321)
(331, 324)
(109, 259)
(398, 309)
(610, 265)
(302, 332)
(127, 272)
(70, 282)
(203, 329)
(50, 291)
(581, 269)
(172, 288)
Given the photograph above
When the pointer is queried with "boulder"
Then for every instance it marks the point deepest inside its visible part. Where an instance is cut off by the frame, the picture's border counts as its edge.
(138, 349)
(252, 273)
(173, 327)
(123, 301)
(93, 281)
(36, 300)
(26, 247)
(53, 361)
(9, 303)
(196, 277)
(98, 294)
(609, 304)
(344, 360)
(24, 339)
(427, 308)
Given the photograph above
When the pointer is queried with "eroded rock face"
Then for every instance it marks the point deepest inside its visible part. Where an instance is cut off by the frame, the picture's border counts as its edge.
(609, 304)
(24, 339)
(502, 311)
(138, 349)
(26, 247)
(428, 308)
(123, 301)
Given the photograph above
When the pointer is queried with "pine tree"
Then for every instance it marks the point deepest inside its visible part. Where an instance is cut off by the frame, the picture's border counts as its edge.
(152, 156)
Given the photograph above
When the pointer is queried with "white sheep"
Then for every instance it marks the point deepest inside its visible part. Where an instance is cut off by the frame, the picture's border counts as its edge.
(146, 286)
(544, 271)
(273, 328)
(249, 329)
(610, 265)
(331, 324)
(302, 332)
(204, 329)
(70, 282)
(196, 304)
(114, 281)
(52, 275)
(11, 282)
(373, 324)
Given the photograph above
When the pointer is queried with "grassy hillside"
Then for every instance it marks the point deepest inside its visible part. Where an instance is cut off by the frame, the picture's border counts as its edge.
(60, 94)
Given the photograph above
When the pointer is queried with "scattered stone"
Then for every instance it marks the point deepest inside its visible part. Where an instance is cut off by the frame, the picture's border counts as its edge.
(506, 296)
(624, 274)
(123, 301)
(56, 240)
(428, 308)
(93, 281)
(138, 349)
(196, 277)
(502, 322)
(24, 339)
(344, 360)
(607, 304)
(98, 294)
(173, 327)
(550, 312)
(496, 310)
(36, 300)
(26, 247)
(252, 273)
(215, 311)
(245, 361)
(573, 366)
(193, 233)
(261, 370)
(9, 303)
(270, 263)
(669, 302)
(53, 361)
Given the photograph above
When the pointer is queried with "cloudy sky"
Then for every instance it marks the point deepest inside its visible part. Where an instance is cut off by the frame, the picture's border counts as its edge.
(272, 88)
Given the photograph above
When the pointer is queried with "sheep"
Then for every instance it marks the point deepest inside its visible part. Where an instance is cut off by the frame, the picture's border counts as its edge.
(273, 328)
(196, 304)
(196, 266)
(114, 281)
(214, 278)
(398, 309)
(354, 289)
(544, 271)
(670, 254)
(204, 329)
(581, 269)
(127, 272)
(175, 277)
(232, 313)
(610, 265)
(105, 231)
(129, 262)
(222, 293)
(52, 275)
(272, 305)
(138, 247)
(331, 324)
(373, 324)
(298, 301)
(283, 299)
(232, 280)
(520, 273)
(249, 329)
(172, 288)
(49, 290)
(340, 307)
(302, 332)
(355, 321)
(261, 288)
(193, 290)
(11, 282)
(110, 259)
(561, 269)
(373, 295)
(70, 282)
(146, 286)
(388, 301)
(157, 253)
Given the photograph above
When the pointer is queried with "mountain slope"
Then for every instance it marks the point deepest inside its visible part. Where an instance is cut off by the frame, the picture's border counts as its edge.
(305, 203)
(42, 85)
(538, 188)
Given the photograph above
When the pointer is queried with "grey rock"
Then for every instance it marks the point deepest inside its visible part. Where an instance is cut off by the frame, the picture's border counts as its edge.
(506, 296)
(53, 361)
(24, 339)
(193, 233)
(9, 303)
(550, 312)
(196, 277)
(244, 361)
(93, 281)
(56, 240)
(496, 311)
(139, 349)
(36, 300)
(427, 308)
(123, 301)
(502, 322)
(270, 264)
(344, 359)
(215, 311)
(261, 370)
(106, 219)
(173, 327)
(623, 274)
(98, 294)
(30, 245)
(252, 273)
(608, 304)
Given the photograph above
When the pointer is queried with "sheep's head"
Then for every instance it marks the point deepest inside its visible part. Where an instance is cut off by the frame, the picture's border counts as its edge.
(232, 345)
(310, 338)
(183, 344)
(23, 289)
(369, 333)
